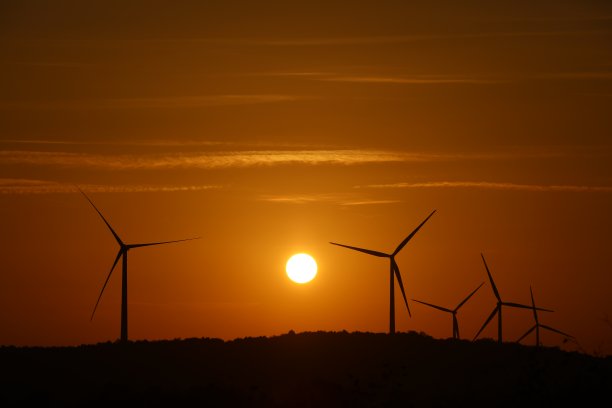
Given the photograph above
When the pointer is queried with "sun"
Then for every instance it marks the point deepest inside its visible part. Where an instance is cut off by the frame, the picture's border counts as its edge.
(301, 268)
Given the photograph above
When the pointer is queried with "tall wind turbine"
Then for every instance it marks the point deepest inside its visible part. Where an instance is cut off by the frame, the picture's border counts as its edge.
(453, 311)
(537, 325)
(498, 308)
(123, 253)
(394, 271)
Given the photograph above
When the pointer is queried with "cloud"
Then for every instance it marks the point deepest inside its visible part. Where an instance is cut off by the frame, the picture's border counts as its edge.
(485, 185)
(340, 199)
(154, 102)
(252, 158)
(168, 143)
(399, 39)
(208, 160)
(415, 80)
(47, 64)
(601, 75)
(152, 143)
(300, 199)
(410, 79)
(370, 202)
(30, 186)
(383, 79)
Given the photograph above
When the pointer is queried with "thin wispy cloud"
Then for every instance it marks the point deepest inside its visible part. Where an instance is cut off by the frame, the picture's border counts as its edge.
(47, 64)
(324, 41)
(407, 79)
(415, 80)
(339, 199)
(199, 101)
(174, 102)
(437, 79)
(208, 160)
(370, 202)
(253, 158)
(168, 143)
(31, 186)
(300, 198)
(601, 75)
(409, 38)
(485, 185)
(160, 143)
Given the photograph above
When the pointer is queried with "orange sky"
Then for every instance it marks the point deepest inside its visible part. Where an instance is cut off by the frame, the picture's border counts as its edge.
(271, 128)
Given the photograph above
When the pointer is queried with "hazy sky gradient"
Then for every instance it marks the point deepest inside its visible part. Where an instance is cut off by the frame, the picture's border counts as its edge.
(269, 128)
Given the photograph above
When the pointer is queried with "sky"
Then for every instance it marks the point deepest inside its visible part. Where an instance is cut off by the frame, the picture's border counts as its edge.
(272, 128)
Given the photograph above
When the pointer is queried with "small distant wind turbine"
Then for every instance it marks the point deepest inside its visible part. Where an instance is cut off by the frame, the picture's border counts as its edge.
(498, 308)
(537, 325)
(123, 253)
(394, 271)
(453, 311)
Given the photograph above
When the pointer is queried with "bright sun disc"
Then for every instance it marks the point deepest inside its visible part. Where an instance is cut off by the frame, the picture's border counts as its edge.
(301, 268)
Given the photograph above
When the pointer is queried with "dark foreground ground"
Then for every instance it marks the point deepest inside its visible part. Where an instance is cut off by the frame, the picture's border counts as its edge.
(300, 370)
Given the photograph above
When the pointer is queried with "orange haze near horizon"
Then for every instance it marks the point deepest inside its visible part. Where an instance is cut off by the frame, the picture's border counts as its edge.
(271, 129)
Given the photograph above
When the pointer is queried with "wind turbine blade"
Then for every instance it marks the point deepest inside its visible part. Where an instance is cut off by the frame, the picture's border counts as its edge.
(556, 331)
(468, 297)
(495, 291)
(161, 243)
(434, 306)
(512, 304)
(103, 219)
(456, 324)
(367, 251)
(526, 334)
(535, 312)
(491, 316)
(401, 284)
(409, 237)
(121, 252)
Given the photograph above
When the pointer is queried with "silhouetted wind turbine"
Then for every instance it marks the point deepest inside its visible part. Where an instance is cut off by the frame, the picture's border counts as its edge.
(498, 308)
(452, 312)
(394, 271)
(537, 325)
(123, 253)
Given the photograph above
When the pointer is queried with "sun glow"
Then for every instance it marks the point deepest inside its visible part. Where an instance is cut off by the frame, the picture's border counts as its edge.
(301, 268)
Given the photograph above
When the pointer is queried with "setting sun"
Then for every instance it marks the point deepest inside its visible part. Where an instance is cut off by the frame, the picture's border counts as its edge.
(301, 268)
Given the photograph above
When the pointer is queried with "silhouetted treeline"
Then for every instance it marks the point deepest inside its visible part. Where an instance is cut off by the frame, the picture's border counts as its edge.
(302, 370)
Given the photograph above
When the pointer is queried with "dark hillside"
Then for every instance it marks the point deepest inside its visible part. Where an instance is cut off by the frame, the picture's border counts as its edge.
(308, 369)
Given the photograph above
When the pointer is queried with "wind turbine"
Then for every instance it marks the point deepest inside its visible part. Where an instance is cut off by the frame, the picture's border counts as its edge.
(498, 308)
(453, 311)
(537, 325)
(394, 271)
(123, 253)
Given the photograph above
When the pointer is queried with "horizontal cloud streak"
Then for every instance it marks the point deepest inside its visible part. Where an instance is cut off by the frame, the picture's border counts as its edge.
(401, 39)
(340, 199)
(601, 75)
(268, 157)
(153, 102)
(370, 202)
(211, 160)
(324, 41)
(494, 186)
(160, 143)
(300, 199)
(416, 80)
(29, 186)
